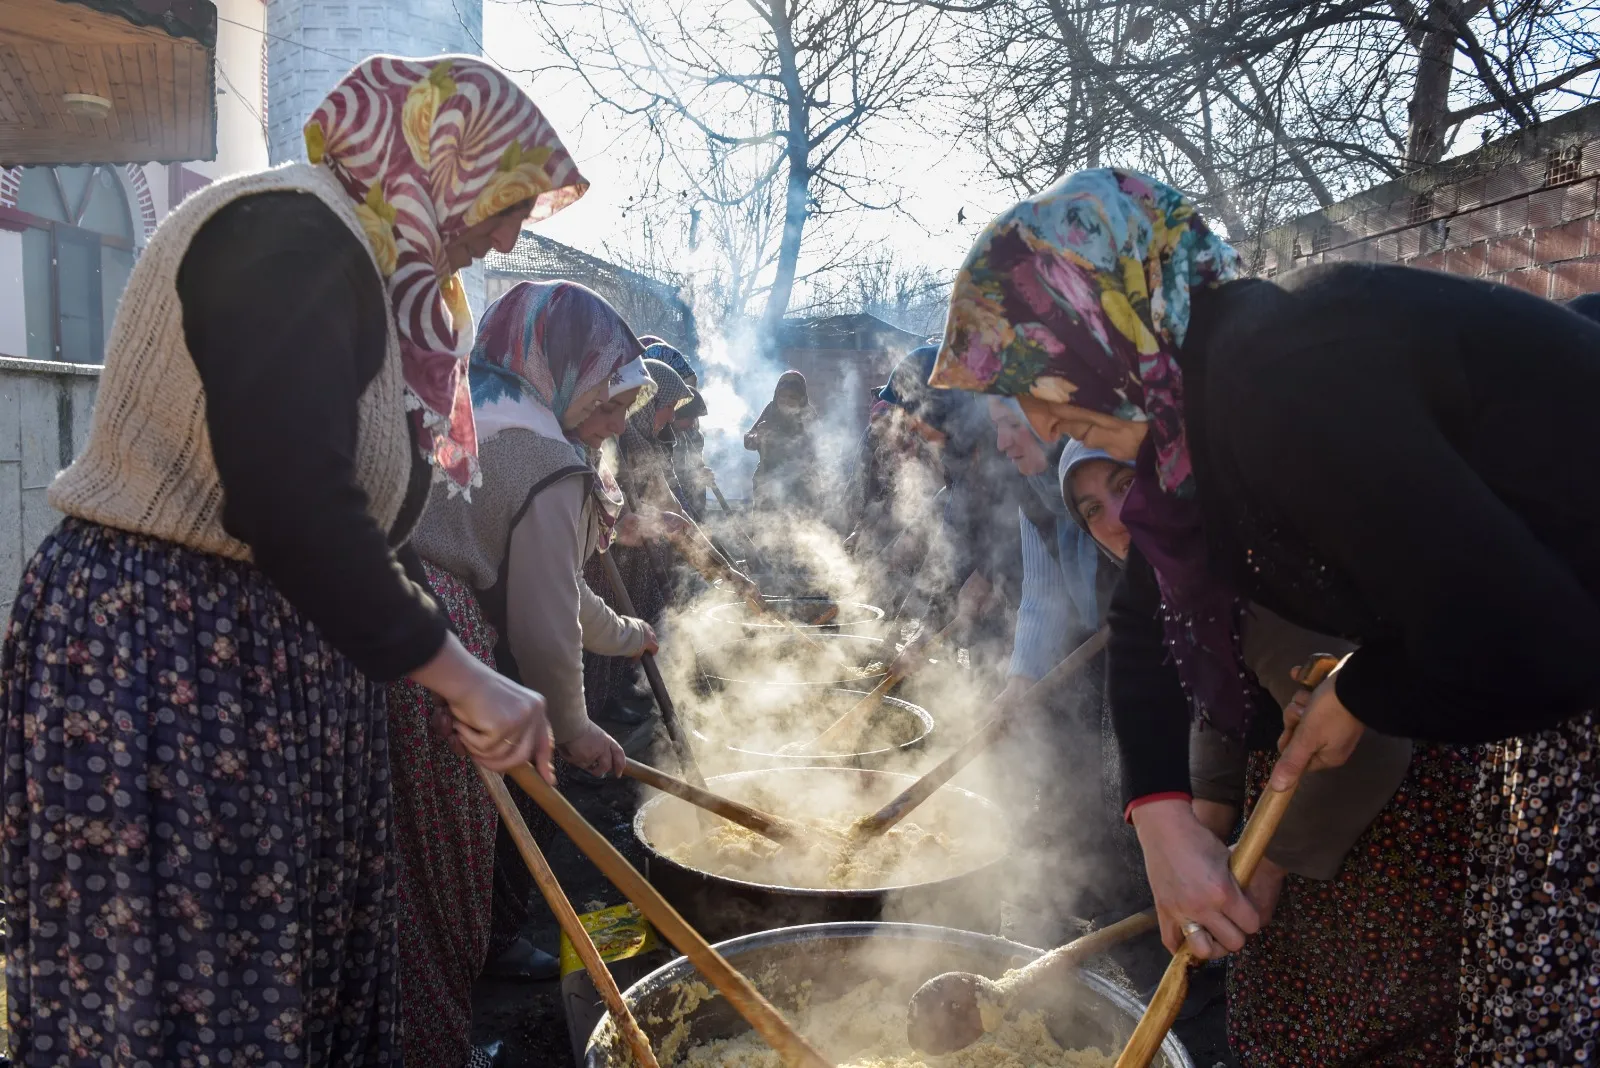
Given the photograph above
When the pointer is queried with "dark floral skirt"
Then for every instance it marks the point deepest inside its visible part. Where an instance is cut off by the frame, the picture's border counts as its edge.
(1531, 977)
(1363, 969)
(195, 836)
(444, 828)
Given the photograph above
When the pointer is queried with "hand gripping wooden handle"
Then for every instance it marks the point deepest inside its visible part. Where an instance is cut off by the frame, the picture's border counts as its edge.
(1164, 1006)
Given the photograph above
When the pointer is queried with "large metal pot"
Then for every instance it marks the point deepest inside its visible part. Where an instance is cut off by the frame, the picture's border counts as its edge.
(852, 617)
(1087, 1011)
(722, 906)
(790, 661)
(767, 720)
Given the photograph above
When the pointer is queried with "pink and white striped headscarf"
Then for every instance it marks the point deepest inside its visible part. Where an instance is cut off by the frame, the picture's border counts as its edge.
(429, 148)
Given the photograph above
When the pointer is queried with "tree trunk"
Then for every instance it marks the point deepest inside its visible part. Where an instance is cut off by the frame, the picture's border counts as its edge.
(796, 206)
(797, 195)
(1430, 98)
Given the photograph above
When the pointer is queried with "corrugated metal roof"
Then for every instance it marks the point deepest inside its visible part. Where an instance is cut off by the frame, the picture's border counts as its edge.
(650, 305)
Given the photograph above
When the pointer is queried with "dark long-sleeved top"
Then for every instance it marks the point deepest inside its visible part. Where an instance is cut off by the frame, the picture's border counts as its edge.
(1403, 459)
(286, 320)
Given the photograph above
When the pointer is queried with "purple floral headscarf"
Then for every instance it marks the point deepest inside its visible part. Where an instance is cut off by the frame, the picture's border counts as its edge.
(1081, 295)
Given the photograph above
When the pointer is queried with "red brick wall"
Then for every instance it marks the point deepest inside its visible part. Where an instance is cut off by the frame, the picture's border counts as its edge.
(1522, 211)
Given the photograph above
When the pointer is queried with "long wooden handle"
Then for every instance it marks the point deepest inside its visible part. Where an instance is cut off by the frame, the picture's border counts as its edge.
(1164, 1006)
(658, 685)
(773, 827)
(924, 788)
(850, 723)
(567, 917)
(755, 554)
(1068, 957)
(746, 1000)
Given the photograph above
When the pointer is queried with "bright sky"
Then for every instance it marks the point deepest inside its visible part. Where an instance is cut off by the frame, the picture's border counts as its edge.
(938, 180)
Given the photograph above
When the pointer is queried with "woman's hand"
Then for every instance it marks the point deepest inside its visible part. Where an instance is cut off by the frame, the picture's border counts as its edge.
(596, 752)
(1318, 732)
(498, 723)
(1265, 886)
(1187, 867)
(650, 645)
(630, 530)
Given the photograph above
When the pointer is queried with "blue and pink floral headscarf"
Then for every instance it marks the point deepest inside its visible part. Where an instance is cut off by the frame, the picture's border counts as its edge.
(543, 345)
(1082, 291)
(1081, 294)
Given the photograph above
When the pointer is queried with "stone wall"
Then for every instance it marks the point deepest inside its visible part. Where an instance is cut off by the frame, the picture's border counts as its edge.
(1521, 210)
(44, 421)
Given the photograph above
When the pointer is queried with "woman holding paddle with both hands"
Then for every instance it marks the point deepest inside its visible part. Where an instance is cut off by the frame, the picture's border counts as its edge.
(1355, 449)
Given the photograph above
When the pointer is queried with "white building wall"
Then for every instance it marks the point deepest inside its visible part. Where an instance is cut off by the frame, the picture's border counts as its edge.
(45, 407)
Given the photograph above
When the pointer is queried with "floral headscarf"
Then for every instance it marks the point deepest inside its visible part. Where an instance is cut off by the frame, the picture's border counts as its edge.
(1081, 294)
(543, 345)
(429, 148)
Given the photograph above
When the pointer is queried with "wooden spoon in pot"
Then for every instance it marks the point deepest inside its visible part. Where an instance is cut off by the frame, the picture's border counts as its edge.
(774, 827)
(949, 1011)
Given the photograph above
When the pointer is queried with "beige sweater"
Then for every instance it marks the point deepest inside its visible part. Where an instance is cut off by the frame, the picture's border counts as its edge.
(148, 466)
(536, 543)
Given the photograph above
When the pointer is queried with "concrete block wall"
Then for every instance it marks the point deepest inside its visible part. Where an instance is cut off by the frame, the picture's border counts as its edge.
(311, 44)
(44, 421)
(1523, 211)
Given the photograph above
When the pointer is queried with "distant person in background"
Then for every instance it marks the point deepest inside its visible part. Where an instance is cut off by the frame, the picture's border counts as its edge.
(971, 569)
(688, 456)
(785, 437)
(554, 372)
(692, 477)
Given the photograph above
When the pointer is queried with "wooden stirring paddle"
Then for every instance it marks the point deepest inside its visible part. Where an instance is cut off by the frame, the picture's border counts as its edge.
(746, 1000)
(952, 1011)
(773, 827)
(925, 787)
(852, 722)
(1165, 1004)
(658, 685)
(567, 918)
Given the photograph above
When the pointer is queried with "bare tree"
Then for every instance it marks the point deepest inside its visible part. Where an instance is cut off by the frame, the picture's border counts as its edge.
(913, 297)
(795, 94)
(1264, 108)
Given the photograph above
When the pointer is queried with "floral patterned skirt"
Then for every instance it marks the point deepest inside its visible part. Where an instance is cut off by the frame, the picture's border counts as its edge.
(1531, 984)
(1363, 969)
(444, 830)
(195, 835)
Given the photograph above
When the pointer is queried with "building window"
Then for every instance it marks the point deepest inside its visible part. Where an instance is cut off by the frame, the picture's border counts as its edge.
(77, 253)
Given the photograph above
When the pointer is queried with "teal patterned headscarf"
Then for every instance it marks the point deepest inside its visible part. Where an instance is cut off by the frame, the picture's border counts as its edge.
(1080, 294)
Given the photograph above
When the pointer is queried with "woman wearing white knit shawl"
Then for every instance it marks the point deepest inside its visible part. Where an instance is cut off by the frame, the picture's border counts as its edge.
(196, 849)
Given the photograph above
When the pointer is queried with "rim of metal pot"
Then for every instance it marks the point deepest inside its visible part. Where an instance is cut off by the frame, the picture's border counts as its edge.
(874, 614)
(798, 760)
(712, 650)
(824, 893)
(679, 967)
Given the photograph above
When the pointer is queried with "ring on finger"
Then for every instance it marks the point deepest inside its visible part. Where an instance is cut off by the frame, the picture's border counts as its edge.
(1191, 927)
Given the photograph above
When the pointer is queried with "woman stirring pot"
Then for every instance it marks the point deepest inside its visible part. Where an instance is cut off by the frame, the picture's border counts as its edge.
(1329, 445)
(197, 816)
